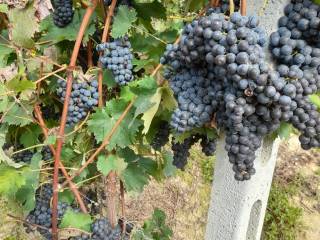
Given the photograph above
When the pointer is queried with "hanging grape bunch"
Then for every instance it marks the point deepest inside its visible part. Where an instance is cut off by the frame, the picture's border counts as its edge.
(84, 97)
(63, 12)
(41, 214)
(181, 150)
(117, 57)
(101, 230)
(219, 68)
(24, 156)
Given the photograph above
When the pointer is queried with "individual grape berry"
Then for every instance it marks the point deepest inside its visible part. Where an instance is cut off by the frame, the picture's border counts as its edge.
(117, 57)
(63, 12)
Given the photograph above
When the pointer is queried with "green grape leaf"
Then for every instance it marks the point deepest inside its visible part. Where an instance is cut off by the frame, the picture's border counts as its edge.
(76, 220)
(122, 21)
(316, 1)
(144, 89)
(4, 8)
(109, 163)
(99, 124)
(24, 25)
(138, 171)
(66, 196)
(3, 156)
(51, 140)
(285, 130)
(195, 5)
(169, 169)
(17, 115)
(154, 228)
(54, 34)
(134, 178)
(147, 45)
(102, 121)
(315, 99)
(5, 51)
(11, 180)
(141, 64)
(19, 84)
(30, 136)
(150, 10)
(4, 100)
(26, 194)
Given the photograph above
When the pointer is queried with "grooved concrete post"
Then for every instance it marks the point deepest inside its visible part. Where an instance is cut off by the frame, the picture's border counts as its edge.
(237, 209)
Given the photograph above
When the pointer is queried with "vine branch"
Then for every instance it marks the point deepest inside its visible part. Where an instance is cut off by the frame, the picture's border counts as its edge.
(59, 143)
(243, 7)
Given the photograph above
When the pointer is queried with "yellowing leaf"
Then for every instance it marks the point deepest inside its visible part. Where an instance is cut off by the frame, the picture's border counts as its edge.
(24, 25)
(151, 112)
(168, 100)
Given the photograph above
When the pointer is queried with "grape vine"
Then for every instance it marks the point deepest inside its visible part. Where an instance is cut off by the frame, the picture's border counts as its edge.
(125, 112)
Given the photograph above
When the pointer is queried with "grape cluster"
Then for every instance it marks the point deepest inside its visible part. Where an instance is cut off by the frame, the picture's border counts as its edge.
(302, 19)
(208, 146)
(181, 150)
(84, 97)
(46, 153)
(63, 13)
(219, 69)
(41, 214)
(24, 156)
(49, 112)
(290, 51)
(102, 230)
(117, 57)
(296, 44)
(162, 136)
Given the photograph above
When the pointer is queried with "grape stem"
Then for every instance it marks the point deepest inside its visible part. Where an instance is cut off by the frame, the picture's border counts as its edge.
(50, 74)
(215, 3)
(59, 143)
(243, 7)
(90, 51)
